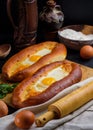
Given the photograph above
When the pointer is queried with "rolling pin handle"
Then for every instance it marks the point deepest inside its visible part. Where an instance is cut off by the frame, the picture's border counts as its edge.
(43, 119)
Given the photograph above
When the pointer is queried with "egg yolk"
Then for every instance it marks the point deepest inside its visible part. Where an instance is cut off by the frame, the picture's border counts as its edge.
(48, 81)
(35, 58)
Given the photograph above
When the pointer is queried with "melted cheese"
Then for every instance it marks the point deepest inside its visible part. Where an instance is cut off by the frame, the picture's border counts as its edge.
(53, 76)
(20, 65)
(43, 52)
(35, 57)
(44, 82)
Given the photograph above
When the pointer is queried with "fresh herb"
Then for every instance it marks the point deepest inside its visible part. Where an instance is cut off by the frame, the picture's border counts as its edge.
(6, 88)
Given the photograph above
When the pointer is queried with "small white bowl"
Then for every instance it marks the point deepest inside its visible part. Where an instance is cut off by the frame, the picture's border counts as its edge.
(4, 50)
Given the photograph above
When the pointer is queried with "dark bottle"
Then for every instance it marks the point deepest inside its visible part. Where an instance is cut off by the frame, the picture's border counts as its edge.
(51, 19)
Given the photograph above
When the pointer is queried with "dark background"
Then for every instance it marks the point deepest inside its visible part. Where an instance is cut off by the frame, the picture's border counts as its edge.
(75, 12)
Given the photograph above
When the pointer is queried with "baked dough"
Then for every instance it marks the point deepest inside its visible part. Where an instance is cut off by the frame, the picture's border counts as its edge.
(46, 83)
(26, 62)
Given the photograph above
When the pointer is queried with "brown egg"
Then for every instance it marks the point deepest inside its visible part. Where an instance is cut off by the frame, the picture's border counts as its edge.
(86, 52)
(24, 119)
(3, 109)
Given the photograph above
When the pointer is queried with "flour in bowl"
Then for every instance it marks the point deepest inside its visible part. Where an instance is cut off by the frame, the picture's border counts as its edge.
(75, 35)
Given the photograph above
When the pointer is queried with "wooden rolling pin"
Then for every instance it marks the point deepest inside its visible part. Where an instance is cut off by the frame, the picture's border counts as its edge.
(67, 104)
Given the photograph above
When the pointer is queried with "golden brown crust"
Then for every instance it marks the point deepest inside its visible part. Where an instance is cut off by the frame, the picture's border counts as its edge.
(74, 76)
(59, 52)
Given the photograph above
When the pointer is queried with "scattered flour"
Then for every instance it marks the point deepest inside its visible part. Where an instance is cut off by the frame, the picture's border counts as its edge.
(75, 35)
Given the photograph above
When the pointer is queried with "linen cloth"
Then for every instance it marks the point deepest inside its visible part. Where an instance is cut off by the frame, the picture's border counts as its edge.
(81, 119)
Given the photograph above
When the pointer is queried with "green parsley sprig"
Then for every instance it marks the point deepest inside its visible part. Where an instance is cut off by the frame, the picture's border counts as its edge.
(6, 88)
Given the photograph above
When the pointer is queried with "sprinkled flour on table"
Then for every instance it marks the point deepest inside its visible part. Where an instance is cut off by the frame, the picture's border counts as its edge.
(75, 35)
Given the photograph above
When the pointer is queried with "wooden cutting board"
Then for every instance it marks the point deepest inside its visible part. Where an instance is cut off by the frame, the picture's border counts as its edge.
(86, 72)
